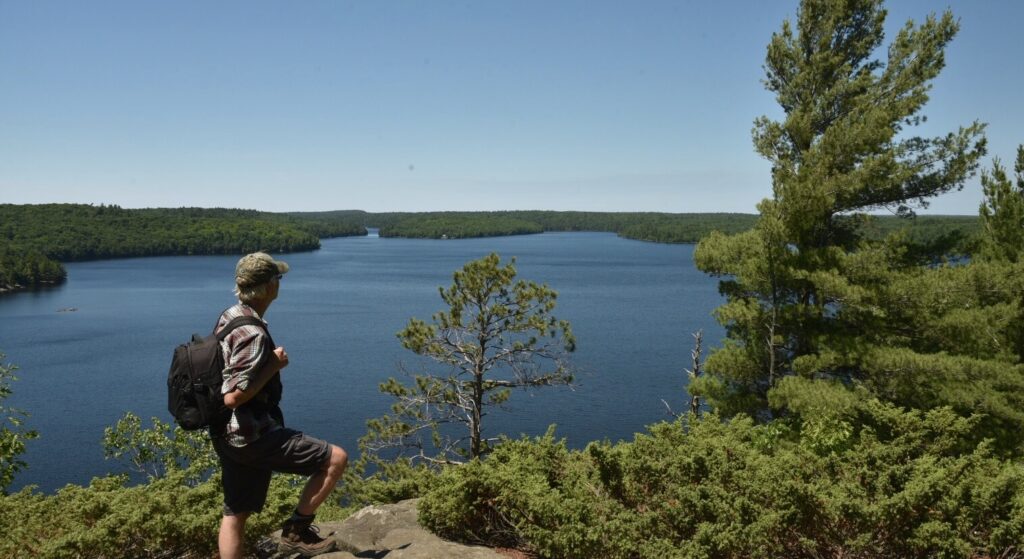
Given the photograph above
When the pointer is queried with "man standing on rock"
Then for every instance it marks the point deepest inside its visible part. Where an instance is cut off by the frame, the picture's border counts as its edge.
(254, 441)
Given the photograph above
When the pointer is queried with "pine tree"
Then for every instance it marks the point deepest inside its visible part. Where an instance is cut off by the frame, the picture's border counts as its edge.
(807, 295)
(497, 334)
(1002, 212)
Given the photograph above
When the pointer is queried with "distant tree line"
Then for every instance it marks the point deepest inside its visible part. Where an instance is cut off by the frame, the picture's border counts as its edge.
(34, 239)
(453, 226)
(685, 228)
(956, 233)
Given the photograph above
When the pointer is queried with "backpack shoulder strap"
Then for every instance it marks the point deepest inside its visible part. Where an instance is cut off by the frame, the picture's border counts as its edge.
(240, 321)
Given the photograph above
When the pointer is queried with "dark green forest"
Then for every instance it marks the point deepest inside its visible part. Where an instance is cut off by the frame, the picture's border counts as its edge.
(647, 226)
(459, 226)
(957, 232)
(34, 239)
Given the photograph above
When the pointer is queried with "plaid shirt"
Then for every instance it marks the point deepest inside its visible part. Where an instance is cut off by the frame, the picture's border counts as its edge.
(245, 350)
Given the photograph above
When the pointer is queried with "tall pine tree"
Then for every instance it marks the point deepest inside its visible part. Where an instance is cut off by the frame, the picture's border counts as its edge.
(812, 305)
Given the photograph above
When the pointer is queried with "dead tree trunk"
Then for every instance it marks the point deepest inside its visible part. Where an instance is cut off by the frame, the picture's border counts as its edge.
(698, 338)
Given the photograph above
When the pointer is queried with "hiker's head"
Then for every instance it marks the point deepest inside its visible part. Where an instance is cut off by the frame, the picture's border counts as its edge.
(256, 275)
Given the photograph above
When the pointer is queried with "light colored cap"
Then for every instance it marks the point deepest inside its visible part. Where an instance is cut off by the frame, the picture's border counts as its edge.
(258, 268)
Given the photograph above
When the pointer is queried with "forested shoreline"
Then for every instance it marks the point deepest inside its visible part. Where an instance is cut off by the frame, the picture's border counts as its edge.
(957, 232)
(35, 239)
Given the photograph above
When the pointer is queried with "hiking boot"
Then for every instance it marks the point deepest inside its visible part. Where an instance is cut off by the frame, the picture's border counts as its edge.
(304, 538)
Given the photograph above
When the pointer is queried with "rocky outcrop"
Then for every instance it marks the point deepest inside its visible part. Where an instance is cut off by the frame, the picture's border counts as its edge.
(392, 532)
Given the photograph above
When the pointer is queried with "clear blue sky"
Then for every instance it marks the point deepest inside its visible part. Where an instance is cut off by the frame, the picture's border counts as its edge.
(431, 105)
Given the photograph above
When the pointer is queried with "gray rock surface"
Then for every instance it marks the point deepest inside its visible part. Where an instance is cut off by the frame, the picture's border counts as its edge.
(392, 532)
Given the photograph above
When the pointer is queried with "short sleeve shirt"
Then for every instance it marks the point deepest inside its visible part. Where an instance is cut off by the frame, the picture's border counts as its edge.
(245, 350)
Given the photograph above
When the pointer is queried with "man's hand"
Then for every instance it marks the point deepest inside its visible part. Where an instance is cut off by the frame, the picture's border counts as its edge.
(274, 364)
(282, 357)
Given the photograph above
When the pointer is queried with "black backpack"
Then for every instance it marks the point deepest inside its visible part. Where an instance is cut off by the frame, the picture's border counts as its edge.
(195, 378)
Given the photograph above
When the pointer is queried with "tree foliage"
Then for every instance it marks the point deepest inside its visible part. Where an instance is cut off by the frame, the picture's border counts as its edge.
(497, 334)
(34, 238)
(1002, 212)
(109, 518)
(658, 227)
(175, 512)
(13, 433)
(455, 226)
(643, 226)
(809, 292)
(875, 481)
(159, 450)
(25, 267)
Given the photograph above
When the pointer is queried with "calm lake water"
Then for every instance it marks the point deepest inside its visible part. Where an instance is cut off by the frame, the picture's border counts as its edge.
(633, 306)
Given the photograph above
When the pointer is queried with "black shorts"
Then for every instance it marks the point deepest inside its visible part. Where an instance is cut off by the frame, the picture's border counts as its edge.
(247, 469)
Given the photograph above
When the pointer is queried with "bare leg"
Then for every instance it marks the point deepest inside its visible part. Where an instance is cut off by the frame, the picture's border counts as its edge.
(232, 529)
(319, 487)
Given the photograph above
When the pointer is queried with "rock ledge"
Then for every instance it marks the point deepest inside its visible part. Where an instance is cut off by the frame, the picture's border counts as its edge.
(392, 532)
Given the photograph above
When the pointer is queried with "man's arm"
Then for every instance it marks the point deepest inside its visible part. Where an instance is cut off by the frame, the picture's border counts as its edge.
(277, 361)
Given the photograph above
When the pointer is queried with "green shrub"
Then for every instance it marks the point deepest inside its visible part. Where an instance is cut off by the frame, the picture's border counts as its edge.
(177, 512)
(172, 515)
(902, 484)
(525, 493)
(159, 449)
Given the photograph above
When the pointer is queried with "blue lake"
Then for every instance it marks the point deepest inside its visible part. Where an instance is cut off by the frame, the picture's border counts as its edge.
(633, 306)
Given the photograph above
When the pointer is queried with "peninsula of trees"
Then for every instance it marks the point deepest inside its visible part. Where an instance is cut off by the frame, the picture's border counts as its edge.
(34, 239)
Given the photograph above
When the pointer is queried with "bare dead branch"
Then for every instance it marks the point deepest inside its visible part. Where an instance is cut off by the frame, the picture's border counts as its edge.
(695, 354)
